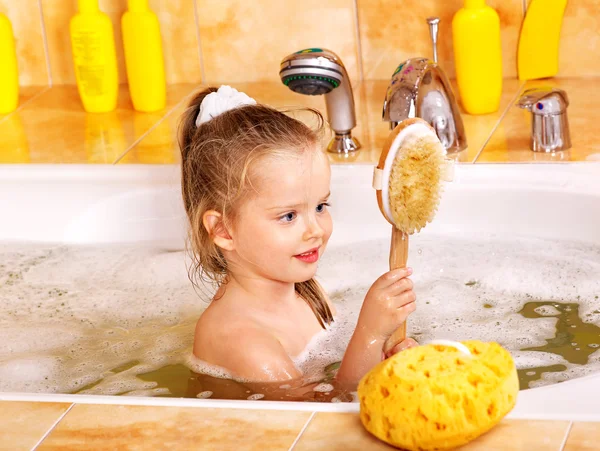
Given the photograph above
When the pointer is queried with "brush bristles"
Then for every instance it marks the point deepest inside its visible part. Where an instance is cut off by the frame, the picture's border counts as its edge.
(415, 182)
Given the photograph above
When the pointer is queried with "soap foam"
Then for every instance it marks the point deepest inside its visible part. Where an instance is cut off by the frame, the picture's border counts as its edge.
(94, 318)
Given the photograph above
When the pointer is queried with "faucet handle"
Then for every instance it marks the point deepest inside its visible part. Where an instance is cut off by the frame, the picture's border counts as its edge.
(544, 101)
(550, 125)
(433, 32)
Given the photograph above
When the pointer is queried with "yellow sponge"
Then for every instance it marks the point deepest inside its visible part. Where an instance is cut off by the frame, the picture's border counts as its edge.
(436, 397)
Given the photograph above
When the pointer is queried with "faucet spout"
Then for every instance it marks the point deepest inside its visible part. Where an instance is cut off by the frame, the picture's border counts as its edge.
(420, 88)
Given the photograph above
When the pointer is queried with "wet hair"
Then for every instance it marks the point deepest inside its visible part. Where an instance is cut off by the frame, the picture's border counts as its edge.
(216, 159)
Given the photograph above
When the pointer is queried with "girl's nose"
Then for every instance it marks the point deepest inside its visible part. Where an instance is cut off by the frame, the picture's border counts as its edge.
(313, 230)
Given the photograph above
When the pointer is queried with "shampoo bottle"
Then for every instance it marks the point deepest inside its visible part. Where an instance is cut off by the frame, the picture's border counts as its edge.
(478, 57)
(9, 74)
(144, 57)
(95, 58)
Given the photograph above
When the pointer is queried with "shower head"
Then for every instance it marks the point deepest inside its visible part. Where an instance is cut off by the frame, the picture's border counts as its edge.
(318, 71)
(311, 85)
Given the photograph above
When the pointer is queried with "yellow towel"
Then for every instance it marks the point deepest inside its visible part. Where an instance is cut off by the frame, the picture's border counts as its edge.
(436, 397)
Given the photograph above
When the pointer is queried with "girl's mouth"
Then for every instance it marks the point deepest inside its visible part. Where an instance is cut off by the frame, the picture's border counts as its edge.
(309, 257)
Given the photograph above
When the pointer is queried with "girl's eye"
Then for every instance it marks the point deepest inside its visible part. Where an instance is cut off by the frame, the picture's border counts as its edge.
(321, 207)
(288, 217)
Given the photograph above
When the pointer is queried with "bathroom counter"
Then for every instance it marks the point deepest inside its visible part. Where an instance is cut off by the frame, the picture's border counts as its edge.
(51, 127)
(58, 426)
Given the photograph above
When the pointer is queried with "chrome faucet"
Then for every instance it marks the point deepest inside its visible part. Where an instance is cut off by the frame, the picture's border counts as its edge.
(319, 71)
(549, 125)
(420, 88)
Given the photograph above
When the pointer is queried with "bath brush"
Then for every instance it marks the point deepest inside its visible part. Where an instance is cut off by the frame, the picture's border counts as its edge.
(440, 395)
(408, 180)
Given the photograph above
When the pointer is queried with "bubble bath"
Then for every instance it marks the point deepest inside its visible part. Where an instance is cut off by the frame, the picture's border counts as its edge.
(115, 319)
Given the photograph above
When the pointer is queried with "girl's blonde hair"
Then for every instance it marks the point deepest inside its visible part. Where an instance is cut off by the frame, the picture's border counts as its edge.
(216, 159)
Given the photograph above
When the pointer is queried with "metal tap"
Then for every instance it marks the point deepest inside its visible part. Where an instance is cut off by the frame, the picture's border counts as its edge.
(549, 125)
(420, 88)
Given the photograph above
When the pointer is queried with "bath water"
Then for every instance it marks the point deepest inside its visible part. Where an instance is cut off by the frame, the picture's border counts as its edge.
(119, 320)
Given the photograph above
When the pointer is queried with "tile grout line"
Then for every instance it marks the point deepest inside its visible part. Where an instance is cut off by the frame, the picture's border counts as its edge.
(200, 57)
(302, 431)
(361, 74)
(59, 419)
(46, 49)
(500, 119)
(151, 129)
(564, 442)
(21, 106)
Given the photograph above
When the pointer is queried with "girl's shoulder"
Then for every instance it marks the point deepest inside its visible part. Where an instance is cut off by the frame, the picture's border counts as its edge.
(242, 346)
(219, 327)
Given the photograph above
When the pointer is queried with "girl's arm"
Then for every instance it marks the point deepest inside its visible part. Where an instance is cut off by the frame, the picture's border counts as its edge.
(387, 305)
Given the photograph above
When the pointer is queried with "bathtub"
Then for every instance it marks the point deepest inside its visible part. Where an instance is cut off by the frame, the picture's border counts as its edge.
(130, 203)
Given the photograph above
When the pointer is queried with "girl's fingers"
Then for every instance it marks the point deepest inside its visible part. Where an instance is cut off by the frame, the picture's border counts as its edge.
(403, 299)
(391, 277)
(400, 286)
(402, 346)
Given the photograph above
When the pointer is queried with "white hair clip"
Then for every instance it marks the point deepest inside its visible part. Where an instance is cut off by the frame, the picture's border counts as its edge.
(224, 99)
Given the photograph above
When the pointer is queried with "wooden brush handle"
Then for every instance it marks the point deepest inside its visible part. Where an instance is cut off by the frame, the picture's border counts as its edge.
(398, 258)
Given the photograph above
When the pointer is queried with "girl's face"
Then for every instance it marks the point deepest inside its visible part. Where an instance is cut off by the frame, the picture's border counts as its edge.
(281, 232)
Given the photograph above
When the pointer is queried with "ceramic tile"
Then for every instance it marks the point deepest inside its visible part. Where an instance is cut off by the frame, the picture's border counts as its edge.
(583, 437)
(159, 145)
(479, 128)
(511, 140)
(178, 30)
(392, 31)
(23, 424)
(54, 128)
(139, 427)
(522, 435)
(25, 19)
(339, 431)
(579, 48)
(379, 130)
(26, 93)
(241, 41)
(181, 48)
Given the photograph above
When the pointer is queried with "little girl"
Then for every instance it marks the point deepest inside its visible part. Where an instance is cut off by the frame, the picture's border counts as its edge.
(256, 190)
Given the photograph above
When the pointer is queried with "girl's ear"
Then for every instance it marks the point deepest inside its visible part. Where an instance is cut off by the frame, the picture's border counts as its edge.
(213, 223)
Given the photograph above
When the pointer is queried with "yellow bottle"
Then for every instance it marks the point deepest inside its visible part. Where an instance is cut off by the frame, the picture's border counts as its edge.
(478, 57)
(144, 57)
(539, 40)
(15, 147)
(95, 58)
(9, 74)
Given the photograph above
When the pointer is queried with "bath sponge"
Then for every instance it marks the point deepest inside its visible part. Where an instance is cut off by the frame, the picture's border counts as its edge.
(437, 397)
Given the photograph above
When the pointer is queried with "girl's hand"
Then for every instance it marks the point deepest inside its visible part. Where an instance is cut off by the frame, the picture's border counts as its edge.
(387, 304)
(402, 346)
